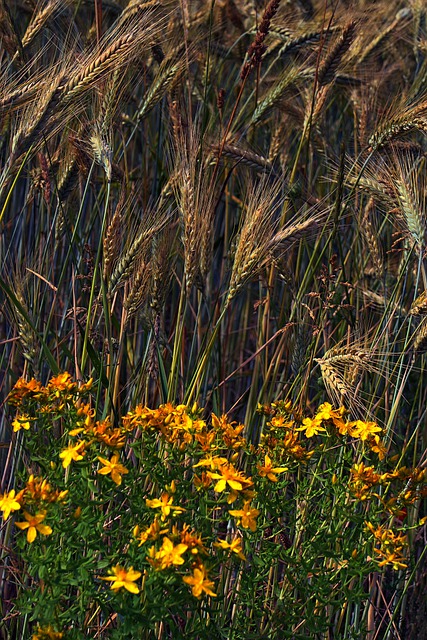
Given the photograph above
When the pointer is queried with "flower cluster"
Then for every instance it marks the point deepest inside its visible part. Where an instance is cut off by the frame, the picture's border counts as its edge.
(60, 389)
(391, 547)
(282, 428)
(36, 496)
(175, 423)
(196, 494)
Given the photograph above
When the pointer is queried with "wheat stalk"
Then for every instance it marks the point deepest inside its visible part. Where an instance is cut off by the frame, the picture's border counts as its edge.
(136, 249)
(169, 73)
(329, 67)
(275, 94)
(371, 239)
(245, 156)
(420, 340)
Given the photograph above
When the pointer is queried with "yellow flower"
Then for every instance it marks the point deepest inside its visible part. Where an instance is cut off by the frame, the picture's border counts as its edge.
(229, 431)
(214, 462)
(311, 427)
(72, 453)
(86, 386)
(38, 489)
(363, 430)
(121, 577)
(327, 412)
(246, 515)
(199, 582)
(227, 474)
(165, 504)
(21, 422)
(9, 502)
(114, 467)
(47, 633)
(168, 554)
(114, 438)
(151, 533)
(377, 446)
(33, 525)
(204, 482)
(235, 547)
(267, 471)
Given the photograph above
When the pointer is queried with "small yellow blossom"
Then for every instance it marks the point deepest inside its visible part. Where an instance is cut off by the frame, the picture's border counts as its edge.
(327, 413)
(214, 462)
(203, 482)
(377, 446)
(112, 437)
(22, 421)
(396, 560)
(363, 430)
(10, 502)
(72, 453)
(247, 516)
(311, 426)
(191, 539)
(168, 554)
(86, 386)
(123, 578)
(150, 533)
(22, 389)
(228, 475)
(47, 633)
(230, 432)
(33, 525)
(199, 582)
(267, 470)
(165, 504)
(235, 546)
(61, 382)
(39, 490)
(114, 467)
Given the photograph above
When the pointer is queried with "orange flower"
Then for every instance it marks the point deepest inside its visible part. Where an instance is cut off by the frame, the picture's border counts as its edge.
(168, 554)
(311, 426)
(151, 533)
(363, 430)
(22, 389)
(38, 489)
(191, 539)
(214, 462)
(61, 382)
(47, 633)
